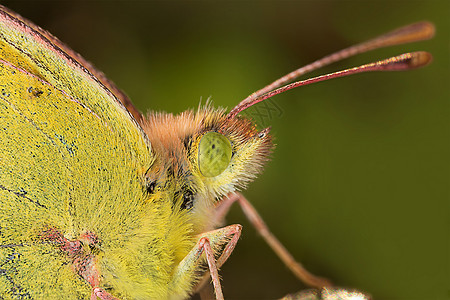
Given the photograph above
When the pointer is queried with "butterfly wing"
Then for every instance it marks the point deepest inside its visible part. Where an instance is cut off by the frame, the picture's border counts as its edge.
(72, 159)
(33, 49)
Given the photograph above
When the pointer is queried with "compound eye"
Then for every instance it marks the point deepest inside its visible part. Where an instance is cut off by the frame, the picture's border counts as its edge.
(214, 154)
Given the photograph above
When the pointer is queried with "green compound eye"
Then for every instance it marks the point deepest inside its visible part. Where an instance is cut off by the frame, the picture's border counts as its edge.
(214, 154)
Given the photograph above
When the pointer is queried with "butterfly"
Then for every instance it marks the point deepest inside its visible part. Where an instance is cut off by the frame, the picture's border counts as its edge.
(101, 201)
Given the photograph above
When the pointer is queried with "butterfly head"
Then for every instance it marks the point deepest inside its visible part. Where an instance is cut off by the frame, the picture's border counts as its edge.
(202, 156)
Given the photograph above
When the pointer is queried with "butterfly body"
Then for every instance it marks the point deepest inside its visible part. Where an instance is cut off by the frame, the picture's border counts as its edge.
(89, 198)
(98, 200)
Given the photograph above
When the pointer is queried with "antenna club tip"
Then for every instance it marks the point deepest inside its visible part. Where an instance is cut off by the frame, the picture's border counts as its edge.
(420, 59)
(428, 28)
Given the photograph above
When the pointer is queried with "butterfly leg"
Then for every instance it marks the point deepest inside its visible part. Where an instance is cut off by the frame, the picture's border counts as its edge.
(257, 221)
(209, 243)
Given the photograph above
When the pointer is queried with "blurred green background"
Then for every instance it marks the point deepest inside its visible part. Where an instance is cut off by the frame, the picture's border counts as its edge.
(358, 187)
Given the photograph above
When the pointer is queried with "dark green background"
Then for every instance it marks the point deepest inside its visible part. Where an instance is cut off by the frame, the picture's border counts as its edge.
(358, 187)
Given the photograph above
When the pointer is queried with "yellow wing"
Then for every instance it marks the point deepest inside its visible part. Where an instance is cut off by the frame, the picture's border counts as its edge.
(71, 159)
(33, 49)
(62, 48)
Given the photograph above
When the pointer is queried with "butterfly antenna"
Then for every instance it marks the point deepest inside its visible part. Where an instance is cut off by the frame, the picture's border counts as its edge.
(407, 34)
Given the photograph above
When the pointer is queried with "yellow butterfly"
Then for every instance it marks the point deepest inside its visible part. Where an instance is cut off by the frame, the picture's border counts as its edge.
(98, 200)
